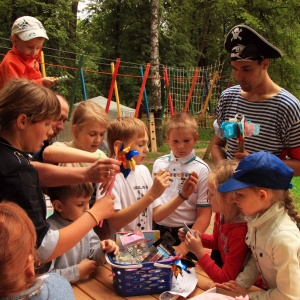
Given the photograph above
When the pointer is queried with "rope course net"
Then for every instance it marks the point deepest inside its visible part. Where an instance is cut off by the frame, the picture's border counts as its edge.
(195, 90)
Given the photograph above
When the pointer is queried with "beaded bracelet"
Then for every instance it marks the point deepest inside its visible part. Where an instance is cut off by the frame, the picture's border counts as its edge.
(93, 215)
(182, 197)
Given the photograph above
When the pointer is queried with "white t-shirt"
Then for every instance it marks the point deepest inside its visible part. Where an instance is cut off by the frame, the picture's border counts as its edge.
(128, 191)
(180, 168)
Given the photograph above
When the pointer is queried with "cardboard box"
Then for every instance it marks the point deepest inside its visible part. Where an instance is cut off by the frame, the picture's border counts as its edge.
(151, 236)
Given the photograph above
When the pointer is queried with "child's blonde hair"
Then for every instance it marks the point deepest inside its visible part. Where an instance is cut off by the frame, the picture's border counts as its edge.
(222, 171)
(61, 193)
(87, 111)
(124, 129)
(18, 240)
(181, 120)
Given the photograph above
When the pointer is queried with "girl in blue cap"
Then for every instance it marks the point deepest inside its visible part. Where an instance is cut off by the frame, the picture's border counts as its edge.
(262, 183)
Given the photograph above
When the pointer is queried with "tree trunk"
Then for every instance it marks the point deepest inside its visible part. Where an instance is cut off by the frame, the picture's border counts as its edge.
(155, 80)
(73, 23)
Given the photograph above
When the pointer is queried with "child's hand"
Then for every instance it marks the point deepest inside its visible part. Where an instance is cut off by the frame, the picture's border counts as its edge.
(190, 185)
(110, 246)
(86, 267)
(104, 207)
(181, 250)
(194, 244)
(48, 82)
(103, 170)
(160, 183)
(181, 234)
(240, 155)
(234, 287)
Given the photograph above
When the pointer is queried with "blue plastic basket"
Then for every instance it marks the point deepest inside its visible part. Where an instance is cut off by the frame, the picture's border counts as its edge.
(141, 279)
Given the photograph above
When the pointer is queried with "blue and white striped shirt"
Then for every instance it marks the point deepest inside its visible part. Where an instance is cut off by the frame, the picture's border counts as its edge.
(279, 119)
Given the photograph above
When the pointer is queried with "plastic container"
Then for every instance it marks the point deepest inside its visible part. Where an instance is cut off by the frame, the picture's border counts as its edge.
(141, 279)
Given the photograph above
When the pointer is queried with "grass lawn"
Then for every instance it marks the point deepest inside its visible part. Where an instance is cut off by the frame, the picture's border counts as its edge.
(200, 149)
(295, 192)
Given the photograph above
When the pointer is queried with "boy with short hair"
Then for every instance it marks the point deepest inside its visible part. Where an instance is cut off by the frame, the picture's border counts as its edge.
(71, 202)
(22, 61)
(195, 211)
(135, 196)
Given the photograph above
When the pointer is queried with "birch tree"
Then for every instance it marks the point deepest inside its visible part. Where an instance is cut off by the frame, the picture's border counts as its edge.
(155, 76)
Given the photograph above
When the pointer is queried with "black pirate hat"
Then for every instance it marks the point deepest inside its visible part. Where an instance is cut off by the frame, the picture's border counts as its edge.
(244, 43)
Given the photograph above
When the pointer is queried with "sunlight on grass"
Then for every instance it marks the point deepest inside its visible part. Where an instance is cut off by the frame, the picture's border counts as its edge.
(295, 192)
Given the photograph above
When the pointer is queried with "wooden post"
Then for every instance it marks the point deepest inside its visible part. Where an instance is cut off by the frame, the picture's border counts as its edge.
(43, 70)
(208, 149)
(116, 91)
(191, 91)
(136, 114)
(152, 133)
(77, 78)
(112, 85)
(215, 77)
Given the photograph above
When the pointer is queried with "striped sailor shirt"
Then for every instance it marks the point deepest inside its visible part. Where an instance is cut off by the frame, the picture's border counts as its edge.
(278, 117)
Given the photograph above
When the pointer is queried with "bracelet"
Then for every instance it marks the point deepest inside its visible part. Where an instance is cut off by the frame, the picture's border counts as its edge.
(93, 215)
(182, 197)
(99, 155)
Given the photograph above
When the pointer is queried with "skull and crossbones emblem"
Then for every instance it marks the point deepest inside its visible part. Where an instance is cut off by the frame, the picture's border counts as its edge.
(235, 33)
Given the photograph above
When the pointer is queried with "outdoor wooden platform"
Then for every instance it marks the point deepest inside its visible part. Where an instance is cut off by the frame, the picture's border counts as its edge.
(101, 286)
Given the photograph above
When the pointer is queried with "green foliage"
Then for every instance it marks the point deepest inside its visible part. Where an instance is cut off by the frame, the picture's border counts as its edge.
(295, 192)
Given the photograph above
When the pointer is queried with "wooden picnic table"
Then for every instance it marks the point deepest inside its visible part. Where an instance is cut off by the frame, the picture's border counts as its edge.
(101, 286)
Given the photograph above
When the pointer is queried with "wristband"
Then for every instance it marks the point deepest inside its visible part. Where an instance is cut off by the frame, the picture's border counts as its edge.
(93, 216)
(99, 155)
(182, 197)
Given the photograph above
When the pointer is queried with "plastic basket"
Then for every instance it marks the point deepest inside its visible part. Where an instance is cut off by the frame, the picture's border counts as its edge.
(141, 279)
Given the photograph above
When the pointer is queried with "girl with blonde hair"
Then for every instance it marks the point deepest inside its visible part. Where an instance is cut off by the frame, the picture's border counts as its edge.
(229, 230)
(261, 184)
(89, 125)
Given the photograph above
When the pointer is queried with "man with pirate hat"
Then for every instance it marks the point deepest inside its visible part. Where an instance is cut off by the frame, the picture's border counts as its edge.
(259, 99)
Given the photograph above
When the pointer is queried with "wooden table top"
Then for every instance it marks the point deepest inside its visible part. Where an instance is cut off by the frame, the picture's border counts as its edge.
(101, 286)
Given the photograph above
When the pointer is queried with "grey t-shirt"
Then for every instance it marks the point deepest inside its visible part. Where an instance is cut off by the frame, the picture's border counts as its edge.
(47, 287)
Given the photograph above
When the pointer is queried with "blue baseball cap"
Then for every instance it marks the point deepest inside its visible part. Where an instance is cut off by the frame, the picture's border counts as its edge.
(259, 169)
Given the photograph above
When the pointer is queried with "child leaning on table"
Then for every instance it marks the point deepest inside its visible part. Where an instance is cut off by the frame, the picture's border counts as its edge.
(22, 61)
(17, 257)
(135, 196)
(194, 210)
(261, 183)
(229, 230)
(70, 203)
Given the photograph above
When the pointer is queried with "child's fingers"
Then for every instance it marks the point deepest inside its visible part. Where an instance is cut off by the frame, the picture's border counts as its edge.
(160, 172)
(164, 174)
(197, 233)
(116, 252)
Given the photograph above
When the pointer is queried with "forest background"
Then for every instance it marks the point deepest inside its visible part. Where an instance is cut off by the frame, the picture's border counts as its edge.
(181, 33)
